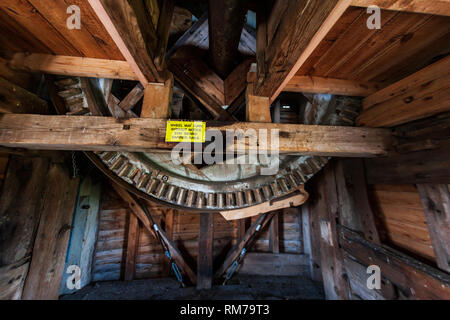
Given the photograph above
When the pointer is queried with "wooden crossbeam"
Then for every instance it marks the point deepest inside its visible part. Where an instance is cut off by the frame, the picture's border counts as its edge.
(294, 30)
(127, 24)
(73, 66)
(438, 7)
(310, 84)
(418, 279)
(142, 134)
(421, 95)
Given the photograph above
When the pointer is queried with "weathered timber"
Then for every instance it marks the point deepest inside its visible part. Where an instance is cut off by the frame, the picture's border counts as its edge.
(50, 246)
(20, 211)
(108, 134)
(415, 279)
(205, 251)
(436, 204)
(295, 29)
(310, 84)
(128, 27)
(73, 66)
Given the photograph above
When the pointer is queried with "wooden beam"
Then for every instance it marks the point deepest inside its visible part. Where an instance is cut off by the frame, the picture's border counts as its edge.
(14, 99)
(132, 247)
(125, 25)
(20, 211)
(50, 246)
(205, 251)
(294, 32)
(157, 99)
(73, 66)
(295, 199)
(416, 279)
(333, 272)
(421, 95)
(310, 84)
(132, 98)
(438, 7)
(142, 217)
(107, 134)
(257, 107)
(311, 241)
(163, 32)
(274, 239)
(436, 204)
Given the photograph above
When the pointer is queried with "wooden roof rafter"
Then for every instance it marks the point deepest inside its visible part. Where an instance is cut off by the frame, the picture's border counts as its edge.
(134, 35)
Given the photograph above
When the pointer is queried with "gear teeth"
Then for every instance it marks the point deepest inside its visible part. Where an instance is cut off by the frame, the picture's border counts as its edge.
(306, 169)
(249, 197)
(292, 182)
(125, 170)
(220, 200)
(143, 180)
(240, 198)
(200, 200)
(160, 191)
(230, 199)
(267, 192)
(258, 195)
(171, 193)
(314, 164)
(283, 184)
(180, 196)
(118, 163)
(190, 198)
(275, 188)
(152, 185)
(211, 203)
(301, 176)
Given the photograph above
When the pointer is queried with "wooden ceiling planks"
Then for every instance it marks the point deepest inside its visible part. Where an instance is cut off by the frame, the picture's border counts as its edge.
(43, 30)
(406, 43)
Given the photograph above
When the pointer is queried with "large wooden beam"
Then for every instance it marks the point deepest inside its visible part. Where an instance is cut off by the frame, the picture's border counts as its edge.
(421, 95)
(107, 134)
(436, 204)
(157, 98)
(127, 24)
(132, 247)
(326, 209)
(20, 211)
(73, 66)
(294, 30)
(205, 251)
(416, 279)
(311, 84)
(50, 246)
(438, 7)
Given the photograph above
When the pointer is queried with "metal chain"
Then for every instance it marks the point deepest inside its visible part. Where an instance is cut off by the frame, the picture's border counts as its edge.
(74, 165)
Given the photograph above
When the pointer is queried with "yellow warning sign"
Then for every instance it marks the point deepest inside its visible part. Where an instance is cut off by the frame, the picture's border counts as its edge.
(185, 131)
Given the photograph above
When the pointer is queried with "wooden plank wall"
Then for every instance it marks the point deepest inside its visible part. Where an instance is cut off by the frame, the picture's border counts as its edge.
(401, 218)
(183, 228)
